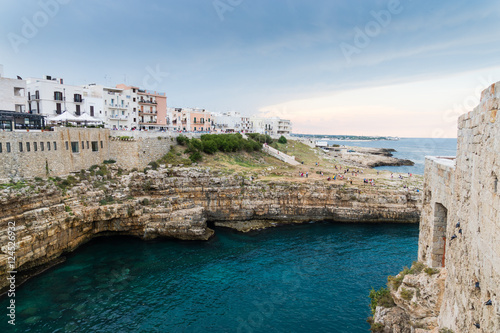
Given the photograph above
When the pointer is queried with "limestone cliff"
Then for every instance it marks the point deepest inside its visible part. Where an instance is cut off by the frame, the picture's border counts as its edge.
(459, 233)
(51, 220)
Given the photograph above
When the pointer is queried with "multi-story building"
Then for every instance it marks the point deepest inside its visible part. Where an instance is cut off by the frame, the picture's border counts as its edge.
(272, 126)
(151, 107)
(229, 122)
(50, 97)
(12, 94)
(189, 119)
(284, 127)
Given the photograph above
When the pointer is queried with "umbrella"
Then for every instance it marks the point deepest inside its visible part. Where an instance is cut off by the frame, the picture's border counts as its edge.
(88, 118)
(65, 116)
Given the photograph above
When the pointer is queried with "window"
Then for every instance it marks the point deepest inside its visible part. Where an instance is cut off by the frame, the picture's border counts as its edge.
(195, 128)
(78, 98)
(37, 94)
(58, 96)
(77, 110)
(58, 108)
(87, 145)
(95, 146)
(101, 144)
(195, 121)
(35, 146)
(48, 145)
(91, 110)
(7, 147)
(42, 146)
(0, 147)
(67, 146)
(133, 99)
(20, 146)
(74, 147)
(28, 147)
(83, 145)
(55, 145)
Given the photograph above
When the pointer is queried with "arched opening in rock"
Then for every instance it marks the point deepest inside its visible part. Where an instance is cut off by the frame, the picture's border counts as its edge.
(439, 235)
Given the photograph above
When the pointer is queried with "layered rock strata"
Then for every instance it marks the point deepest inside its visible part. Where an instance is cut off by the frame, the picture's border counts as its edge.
(175, 203)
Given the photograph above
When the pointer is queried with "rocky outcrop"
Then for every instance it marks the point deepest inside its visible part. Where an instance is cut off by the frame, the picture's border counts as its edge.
(418, 299)
(177, 203)
(459, 230)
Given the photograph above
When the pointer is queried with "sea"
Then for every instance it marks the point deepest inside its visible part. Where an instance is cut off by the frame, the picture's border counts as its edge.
(314, 277)
(414, 149)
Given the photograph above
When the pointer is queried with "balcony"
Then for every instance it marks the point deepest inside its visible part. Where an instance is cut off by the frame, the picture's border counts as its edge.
(143, 101)
(118, 117)
(118, 106)
(78, 100)
(147, 113)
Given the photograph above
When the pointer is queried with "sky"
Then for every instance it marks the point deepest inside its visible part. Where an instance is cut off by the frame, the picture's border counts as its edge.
(383, 67)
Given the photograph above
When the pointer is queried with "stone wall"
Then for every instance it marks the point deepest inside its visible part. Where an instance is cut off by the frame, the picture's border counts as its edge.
(461, 220)
(42, 154)
(65, 150)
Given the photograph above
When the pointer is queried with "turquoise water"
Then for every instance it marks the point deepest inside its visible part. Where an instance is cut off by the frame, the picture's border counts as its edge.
(306, 278)
(414, 149)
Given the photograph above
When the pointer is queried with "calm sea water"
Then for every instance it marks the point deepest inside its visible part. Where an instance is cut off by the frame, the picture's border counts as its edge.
(307, 278)
(414, 149)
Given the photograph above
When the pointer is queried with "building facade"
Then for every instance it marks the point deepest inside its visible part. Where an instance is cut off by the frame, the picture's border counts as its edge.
(51, 97)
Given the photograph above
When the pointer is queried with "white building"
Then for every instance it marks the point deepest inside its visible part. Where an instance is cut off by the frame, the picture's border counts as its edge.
(50, 97)
(271, 126)
(228, 122)
(12, 94)
(116, 107)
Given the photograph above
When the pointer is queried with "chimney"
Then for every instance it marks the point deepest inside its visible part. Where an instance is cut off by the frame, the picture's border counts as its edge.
(61, 81)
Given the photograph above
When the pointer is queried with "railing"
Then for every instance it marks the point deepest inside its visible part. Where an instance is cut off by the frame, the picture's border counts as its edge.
(76, 100)
(146, 102)
(118, 117)
(147, 112)
(118, 106)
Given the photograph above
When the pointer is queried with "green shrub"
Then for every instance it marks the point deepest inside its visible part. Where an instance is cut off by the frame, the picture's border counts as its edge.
(377, 328)
(445, 330)
(395, 281)
(182, 140)
(406, 294)
(431, 271)
(417, 267)
(282, 140)
(107, 200)
(195, 157)
(210, 147)
(381, 297)
(154, 165)
(38, 179)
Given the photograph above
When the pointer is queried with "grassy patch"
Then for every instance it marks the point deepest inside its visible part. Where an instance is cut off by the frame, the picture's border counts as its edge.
(406, 294)
(381, 297)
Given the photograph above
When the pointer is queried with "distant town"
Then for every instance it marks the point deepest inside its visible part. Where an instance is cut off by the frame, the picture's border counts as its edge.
(37, 103)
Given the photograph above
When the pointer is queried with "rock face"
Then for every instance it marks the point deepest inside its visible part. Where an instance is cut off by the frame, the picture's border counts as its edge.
(460, 228)
(176, 203)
